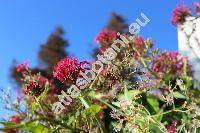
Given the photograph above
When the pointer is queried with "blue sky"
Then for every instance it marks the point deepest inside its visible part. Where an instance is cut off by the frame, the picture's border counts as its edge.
(24, 25)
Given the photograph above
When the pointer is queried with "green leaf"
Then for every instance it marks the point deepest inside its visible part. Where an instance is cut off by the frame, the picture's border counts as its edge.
(34, 128)
(129, 94)
(43, 94)
(84, 102)
(179, 95)
(154, 128)
(29, 126)
(116, 104)
(167, 77)
(40, 129)
(126, 94)
(34, 106)
(159, 117)
(153, 102)
(8, 123)
(95, 95)
(92, 110)
(71, 119)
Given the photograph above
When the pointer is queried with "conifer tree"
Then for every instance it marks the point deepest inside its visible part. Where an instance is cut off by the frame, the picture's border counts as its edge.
(53, 50)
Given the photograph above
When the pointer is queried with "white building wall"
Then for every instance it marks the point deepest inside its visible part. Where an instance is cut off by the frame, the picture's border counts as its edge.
(189, 44)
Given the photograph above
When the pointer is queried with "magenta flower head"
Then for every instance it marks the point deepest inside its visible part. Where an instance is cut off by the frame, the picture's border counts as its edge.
(170, 62)
(197, 7)
(174, 123)
(106, 36)
(35, 85)
(139, 41)
(171, 128)
(16, 118)
(180, 14)
(67, 70)
(22, 67)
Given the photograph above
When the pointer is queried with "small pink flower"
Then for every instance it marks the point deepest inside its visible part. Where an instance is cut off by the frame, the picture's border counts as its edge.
(106, 36)
(170, 62)
(22, 67)
(12, 131)
(174, 123)
(16, 118)
(35, 85)
(67, 70)
(197, 6)
(171, 128)
(31, 85)
(180, 14)
(165, 88)
(139, 41)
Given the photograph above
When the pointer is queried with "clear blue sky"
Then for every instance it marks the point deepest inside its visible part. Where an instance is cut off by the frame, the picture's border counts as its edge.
(25, 24)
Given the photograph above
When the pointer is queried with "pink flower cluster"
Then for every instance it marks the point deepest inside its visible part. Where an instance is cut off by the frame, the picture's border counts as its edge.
(139, 46)
(67, 70)
(139, 41)
(180, 14)
(197, 7)
(106, 36)
(15, 119)
(35, 85)
(172, 127)
(171, 62)
(22, 67)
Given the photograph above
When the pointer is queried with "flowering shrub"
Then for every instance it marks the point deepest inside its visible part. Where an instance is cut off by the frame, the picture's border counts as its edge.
(181, 12)
(22, 67)
(171, 128)
(106, 36)
(67, 70)
(170, 62)
(197, 6)
(141, 90)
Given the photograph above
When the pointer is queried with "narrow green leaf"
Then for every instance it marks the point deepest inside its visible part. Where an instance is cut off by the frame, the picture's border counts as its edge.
(153, 102)
(92, 110)
(179, 95)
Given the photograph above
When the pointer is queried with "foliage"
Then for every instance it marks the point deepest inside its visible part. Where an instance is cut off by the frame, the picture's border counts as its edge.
(142, 90)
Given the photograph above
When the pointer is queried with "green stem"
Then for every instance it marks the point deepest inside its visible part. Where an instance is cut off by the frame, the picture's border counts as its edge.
(145, 64)
(109, 105)
(75, 130)
(99, 123)
(173, 110)
(84, 102)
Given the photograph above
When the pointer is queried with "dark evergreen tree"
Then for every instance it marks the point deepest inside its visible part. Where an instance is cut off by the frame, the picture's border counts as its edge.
(53, 50)
(116, 23)
(49, 54)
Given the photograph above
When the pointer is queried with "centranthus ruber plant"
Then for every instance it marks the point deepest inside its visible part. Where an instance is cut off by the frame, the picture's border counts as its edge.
(142, 90)
(181, 12)
(67, 70)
